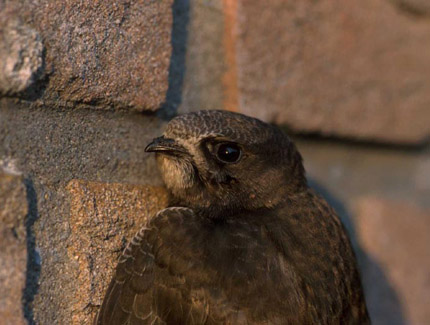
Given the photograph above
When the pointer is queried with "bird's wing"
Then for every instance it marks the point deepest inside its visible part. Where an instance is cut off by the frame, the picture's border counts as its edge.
(148, 286)
(131, 284)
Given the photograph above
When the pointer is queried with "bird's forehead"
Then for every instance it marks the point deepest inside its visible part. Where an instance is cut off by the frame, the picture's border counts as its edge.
(203, 124)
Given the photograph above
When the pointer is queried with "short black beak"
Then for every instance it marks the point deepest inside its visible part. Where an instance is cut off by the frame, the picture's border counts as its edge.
(162, 144)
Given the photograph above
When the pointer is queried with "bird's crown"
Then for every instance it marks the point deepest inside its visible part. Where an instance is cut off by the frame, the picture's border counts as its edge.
(213, 123)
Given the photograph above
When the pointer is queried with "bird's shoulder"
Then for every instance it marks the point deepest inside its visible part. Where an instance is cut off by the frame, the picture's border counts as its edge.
(149, 285)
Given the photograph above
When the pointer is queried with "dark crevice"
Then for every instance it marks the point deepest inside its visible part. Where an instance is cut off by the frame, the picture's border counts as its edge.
(411, 9)
(181, 16)
(33, 258)
(36, 90)
(422, 146)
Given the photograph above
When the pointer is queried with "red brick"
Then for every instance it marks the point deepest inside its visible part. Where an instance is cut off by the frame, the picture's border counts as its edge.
(13, 250)
(103, 218)
(394, 234)
(356, 69)
(101, 53)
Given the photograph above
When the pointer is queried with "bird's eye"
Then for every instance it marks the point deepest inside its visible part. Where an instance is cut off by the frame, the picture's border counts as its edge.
(228, 152)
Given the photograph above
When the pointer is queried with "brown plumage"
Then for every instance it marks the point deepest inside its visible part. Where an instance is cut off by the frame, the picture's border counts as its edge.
(246, 242)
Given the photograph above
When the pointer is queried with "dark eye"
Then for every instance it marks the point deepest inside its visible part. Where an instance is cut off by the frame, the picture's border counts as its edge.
(228, 152)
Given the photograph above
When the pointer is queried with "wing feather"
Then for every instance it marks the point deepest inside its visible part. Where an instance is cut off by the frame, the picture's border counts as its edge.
(134, 296)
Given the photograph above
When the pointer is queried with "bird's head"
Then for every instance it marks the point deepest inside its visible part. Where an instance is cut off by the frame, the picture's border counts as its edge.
(225, 162)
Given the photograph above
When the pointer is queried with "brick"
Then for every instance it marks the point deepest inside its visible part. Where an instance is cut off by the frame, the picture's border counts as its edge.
(13, 250)
(101, 53)
(51, 147)
(103, 218)
(21, 53)
(394, 234)
(202, 28)
(356, 69)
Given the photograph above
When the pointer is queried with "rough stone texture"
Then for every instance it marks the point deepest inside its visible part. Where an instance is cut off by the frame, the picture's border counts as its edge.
(101, 53)
(207, 53)
(395, 233)
(50, 147)
(357, 69)
(13, 249)
(230, 78)
(350, 170)
(21, 55)
(203, 54)
(209, 79)
(103, 218)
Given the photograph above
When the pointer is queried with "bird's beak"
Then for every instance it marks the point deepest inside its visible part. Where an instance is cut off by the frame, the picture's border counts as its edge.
(165, 145)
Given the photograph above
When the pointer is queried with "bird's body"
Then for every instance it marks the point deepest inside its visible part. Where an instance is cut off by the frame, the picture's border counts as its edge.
(250, 243)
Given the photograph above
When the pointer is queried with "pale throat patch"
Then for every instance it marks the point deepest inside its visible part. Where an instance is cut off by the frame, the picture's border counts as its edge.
(177, 174)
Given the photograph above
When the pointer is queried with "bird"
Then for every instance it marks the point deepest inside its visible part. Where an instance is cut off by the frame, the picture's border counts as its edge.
(244, 241)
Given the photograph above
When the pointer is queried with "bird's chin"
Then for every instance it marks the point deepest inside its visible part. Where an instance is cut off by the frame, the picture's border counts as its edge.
(177, 174)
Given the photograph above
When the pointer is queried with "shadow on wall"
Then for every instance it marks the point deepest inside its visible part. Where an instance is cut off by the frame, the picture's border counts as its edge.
(382, 300)
(181, 17)
(33, 258)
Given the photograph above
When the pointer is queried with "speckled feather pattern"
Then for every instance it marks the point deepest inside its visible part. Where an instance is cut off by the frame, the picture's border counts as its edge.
(204, 124)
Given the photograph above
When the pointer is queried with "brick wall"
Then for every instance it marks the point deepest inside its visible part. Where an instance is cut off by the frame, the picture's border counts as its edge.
(85, 86)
